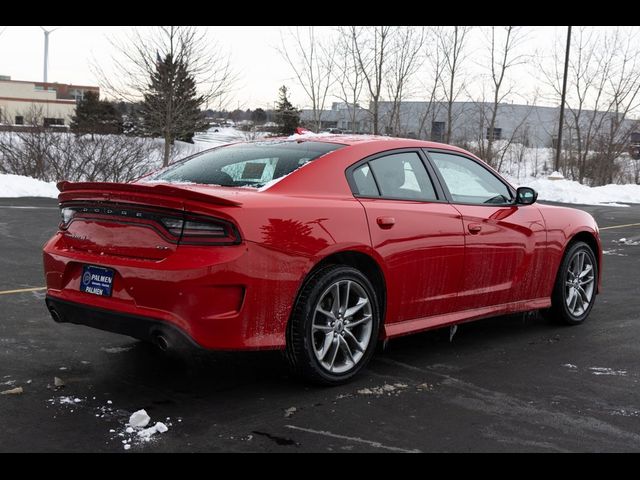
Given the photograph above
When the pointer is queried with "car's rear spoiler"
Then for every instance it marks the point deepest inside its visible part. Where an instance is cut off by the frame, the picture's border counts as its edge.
(187, 192)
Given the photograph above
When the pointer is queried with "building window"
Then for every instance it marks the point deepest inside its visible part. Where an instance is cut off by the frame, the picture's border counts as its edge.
(437, 131)
(19, 120)
(497, 133)
(48, 121)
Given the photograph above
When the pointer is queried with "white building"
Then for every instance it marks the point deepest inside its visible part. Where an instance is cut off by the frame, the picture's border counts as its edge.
(50, 103)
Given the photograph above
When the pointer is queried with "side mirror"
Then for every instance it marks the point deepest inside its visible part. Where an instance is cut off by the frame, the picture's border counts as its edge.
(526, 196)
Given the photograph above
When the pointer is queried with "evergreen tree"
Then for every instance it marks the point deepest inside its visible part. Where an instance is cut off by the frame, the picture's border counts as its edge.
(258, 116)
(96, 116)
(171, 105)
(286, 115)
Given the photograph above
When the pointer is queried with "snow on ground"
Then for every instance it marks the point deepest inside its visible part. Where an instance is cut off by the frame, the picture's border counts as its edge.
(212, 138)
(522, 167)
(568, 191)
(12, 186)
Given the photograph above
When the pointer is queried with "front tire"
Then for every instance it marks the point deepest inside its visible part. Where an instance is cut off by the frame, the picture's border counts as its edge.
(334, 326)
(574, 292)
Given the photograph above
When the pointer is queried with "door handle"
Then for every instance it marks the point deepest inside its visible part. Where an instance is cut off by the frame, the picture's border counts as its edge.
(474, 228)
(386, 222)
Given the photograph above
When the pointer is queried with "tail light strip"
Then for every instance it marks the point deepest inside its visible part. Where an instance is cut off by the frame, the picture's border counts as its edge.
(175, 226)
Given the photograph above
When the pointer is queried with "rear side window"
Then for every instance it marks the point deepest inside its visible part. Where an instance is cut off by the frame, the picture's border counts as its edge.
(249, 164)
(364, 181)
(402, 176)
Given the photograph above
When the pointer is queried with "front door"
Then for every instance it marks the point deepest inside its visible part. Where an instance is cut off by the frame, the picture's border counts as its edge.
(504, 242)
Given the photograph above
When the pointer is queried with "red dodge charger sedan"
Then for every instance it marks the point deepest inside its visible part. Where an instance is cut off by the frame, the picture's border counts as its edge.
(317, 245)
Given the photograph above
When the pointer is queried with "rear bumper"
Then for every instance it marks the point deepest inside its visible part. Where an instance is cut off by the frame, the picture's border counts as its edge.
(213, 295)
(161, 333)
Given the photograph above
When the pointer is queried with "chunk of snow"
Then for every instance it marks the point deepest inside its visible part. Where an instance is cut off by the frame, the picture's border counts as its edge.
(161, 427)
(127, 446)
(146, 434)
(12, 391)
(129, 430)
(139, 419)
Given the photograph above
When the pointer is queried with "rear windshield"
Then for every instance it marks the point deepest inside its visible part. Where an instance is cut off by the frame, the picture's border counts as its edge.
(248, 164)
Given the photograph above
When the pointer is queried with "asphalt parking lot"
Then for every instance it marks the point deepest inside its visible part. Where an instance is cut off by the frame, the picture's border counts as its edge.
(516, 383)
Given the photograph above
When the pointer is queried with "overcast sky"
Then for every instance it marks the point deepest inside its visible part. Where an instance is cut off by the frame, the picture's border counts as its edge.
(253, 53)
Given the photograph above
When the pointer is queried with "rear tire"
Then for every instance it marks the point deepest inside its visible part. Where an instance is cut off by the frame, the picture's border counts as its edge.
(574, 293)
(334, 326)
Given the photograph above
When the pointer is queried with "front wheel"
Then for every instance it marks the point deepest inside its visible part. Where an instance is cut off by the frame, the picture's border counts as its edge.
(575, 290)
(334, 326)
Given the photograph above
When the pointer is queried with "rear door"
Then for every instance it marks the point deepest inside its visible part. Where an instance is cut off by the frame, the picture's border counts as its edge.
(416, 231)
(504, 242)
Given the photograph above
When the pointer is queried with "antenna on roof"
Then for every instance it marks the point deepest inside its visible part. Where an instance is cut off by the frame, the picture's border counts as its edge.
(46, 49)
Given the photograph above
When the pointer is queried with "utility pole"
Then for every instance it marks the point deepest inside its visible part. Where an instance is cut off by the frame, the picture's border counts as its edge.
(46, 50)
(556, 166)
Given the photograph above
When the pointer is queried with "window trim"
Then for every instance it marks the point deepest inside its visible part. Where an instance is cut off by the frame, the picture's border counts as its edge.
(431, 175)
(482, 164)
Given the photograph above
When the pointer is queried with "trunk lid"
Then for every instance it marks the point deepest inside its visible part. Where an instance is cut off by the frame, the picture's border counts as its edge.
(138, 220)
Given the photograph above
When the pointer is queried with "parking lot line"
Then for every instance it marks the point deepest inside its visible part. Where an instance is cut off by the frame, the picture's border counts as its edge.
(22, 290)
(621, 226)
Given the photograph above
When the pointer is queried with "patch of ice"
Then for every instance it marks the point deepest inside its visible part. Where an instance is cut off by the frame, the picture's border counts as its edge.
(607, 371)
(383, 389)
(116, 349)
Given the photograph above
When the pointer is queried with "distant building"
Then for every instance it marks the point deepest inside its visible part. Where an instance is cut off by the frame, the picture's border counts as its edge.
(532, 125)
(53, 103)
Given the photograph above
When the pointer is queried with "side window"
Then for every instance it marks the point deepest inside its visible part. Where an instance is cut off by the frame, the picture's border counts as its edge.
(402, 176)
(364, 181)
(469, 182)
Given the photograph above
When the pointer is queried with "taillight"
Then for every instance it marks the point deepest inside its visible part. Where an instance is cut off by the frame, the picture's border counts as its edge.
(202, 231)
(176, 226)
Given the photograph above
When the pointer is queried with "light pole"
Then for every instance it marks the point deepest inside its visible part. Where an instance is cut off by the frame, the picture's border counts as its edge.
(556, 166)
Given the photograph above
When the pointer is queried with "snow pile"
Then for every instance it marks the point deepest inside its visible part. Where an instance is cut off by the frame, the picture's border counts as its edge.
(12, 186)
(569, 191)
(224, 135)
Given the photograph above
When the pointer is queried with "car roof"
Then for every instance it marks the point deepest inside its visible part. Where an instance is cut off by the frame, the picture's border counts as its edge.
(379, 140)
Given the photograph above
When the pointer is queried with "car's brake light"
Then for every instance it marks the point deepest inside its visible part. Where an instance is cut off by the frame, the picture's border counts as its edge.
(177, 226)
(200, 231)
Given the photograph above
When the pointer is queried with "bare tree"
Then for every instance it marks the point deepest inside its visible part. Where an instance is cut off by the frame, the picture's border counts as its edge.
(312, 62)
(623, 96)
(432, 81)
(371, 46)
(405, 58)
(136, 61)
(603, 89)
(453, 42)
(503, 45)
(348, 75)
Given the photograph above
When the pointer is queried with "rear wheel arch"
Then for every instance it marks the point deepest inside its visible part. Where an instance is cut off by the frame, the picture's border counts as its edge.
(366, 264)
